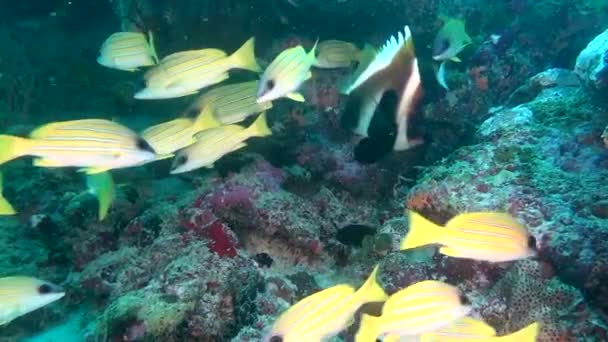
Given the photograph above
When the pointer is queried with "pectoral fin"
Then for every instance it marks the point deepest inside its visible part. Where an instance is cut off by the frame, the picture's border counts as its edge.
(296, 97)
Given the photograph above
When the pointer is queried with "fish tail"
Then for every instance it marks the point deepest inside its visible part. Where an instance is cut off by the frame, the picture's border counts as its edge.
(12, 147)
(206, 120)
(244, 57)
(527, 334)
(5, 207)
(371, 291)
(369, 329)
(422, 232)
(152, 47)
(259, 128)
(102, 186)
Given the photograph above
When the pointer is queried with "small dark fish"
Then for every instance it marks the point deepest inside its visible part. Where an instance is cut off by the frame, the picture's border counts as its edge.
(263, 259)
(353, 234)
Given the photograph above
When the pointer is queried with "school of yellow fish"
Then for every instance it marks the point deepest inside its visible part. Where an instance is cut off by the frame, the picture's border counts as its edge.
(208, 130)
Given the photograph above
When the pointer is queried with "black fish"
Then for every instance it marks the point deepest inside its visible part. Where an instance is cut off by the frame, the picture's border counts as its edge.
(353, 234)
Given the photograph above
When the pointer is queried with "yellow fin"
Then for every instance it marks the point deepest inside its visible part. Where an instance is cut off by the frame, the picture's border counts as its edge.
(164, 156)
(5, 207)
(296, 97)
(45, 162)
(93, 170)
(102, 186)
(527, 334)
(259, 128)
(371, 291)
(238, 147)
(422, 232)
(244, 57)
(369, 329)
(456, 59)
(451, 252)
(12, 147)
(206, 120)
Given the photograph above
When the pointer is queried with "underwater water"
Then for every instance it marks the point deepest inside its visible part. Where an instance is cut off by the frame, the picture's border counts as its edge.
(304, 170)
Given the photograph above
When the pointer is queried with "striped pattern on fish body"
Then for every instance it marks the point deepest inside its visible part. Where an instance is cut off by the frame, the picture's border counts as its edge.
(189, 67)
(286, 74)
(21, 295)
(336, 54)
(93, 143)
(168, 137)
(212, 144)
(487, 236)
(185, 73)
(418, 309)
(228, 104)
(324, 314)
(127, 51)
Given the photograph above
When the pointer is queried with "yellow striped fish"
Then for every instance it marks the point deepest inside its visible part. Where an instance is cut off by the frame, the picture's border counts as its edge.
(470, 330)
(95, 144)
(336, 54)
(226, 105)
(418, 309)
(185, 73)
(21, 295)
(170, 136)
(486, 236)
(324, 314)
(101, 185)
(214, 143)
(285, 75)
(5, 207)
(128, 51)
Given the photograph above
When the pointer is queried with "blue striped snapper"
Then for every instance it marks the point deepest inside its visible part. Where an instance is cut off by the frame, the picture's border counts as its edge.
(21, 295)
(185, 73)
(284, 76)
(225, 105)
(485, 236)
(5, 207)
(418, 309)
(324, 314)
(336, 54)
(128, 51)
(214, 143)
(94, 144)
(170, 136)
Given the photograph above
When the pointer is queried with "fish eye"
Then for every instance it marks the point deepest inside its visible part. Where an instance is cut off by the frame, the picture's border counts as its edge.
(143, 145)
(464, 300)
(532, 242)
(270, 84)
(276, 339)
(180, 160)
(45, 289)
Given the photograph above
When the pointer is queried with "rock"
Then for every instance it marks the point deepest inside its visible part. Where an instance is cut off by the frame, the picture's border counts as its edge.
(592, 63)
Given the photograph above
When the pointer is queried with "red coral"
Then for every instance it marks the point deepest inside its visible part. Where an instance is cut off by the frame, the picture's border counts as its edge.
(204, 223)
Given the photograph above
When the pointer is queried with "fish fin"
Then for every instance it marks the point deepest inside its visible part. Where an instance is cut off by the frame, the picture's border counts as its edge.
(244, 57)
(152, 47)
(12, 147)
(451, 252)
(440, 76)
(5, 207)
(456, 59)
(46, 162)
(296, 97)
(259, 128)
(313, 52)
(422, 232)
(102, 186)
(210, 166)
(206, 120)
(93, 170)
(238, 147)
(527, 334)
(164, 156)
(369, 329)
(371, 291)
(308, 76)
